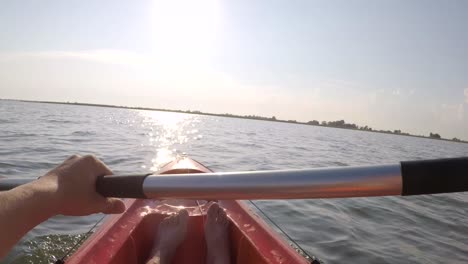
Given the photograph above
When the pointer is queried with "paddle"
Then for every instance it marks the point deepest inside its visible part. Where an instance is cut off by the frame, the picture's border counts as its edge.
(406, 178)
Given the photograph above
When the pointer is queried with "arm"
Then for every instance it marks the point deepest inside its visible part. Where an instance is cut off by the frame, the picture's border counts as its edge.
(68, 189)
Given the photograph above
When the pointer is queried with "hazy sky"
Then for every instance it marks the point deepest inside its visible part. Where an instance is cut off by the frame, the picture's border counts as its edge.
(387, 64)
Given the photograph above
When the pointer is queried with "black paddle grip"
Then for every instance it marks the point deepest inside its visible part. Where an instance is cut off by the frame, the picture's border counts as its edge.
(435, 176)
(122, 186)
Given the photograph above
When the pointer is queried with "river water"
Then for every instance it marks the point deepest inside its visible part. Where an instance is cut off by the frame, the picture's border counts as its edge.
(34, 137)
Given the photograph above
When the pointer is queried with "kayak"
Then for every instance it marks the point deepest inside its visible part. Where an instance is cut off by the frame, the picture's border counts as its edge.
(128, 237)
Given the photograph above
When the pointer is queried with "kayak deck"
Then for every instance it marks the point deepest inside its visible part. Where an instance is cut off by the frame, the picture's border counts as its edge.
(128, 237)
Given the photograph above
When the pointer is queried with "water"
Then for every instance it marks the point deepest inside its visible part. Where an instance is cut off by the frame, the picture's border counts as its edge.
(426, 229)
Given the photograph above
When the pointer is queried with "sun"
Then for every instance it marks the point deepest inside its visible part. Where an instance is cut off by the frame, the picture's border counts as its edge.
(185, 30)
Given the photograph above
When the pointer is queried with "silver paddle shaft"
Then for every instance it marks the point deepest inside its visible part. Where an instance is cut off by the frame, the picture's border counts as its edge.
(282, 184)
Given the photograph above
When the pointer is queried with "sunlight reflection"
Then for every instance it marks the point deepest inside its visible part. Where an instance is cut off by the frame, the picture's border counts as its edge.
(169, 132)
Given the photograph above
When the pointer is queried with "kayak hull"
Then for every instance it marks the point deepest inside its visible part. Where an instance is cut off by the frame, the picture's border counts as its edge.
(128, 237)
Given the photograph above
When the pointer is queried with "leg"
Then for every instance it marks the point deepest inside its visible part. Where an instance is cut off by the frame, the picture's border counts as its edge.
(217, 237)
(171, 234)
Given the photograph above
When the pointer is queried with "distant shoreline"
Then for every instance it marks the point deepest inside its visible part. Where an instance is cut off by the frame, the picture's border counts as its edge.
(334, 124)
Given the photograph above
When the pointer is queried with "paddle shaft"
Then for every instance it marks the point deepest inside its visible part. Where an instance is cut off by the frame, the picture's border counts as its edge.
(406, 178)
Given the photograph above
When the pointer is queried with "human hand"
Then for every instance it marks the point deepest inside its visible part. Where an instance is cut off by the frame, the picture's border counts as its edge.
(72, 188)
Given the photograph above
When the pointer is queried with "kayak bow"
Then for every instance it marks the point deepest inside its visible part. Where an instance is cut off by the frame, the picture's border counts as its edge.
(127, 238)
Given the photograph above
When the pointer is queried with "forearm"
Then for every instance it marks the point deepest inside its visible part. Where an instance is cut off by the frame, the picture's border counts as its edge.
(69, 189)
(21, 209)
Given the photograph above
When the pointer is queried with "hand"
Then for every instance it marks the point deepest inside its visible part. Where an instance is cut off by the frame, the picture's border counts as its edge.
(72, 186)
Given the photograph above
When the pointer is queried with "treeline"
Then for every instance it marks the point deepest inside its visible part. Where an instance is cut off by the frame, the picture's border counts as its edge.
(335, 124)
(437, 136)
(343, 124)
(256, 117)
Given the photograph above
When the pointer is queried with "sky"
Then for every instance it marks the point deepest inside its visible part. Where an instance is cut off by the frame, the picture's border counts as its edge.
(385, 64)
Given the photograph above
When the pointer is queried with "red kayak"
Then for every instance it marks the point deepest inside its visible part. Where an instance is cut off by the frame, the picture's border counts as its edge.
(128, 237)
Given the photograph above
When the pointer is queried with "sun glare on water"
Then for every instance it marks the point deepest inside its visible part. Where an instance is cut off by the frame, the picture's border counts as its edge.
(185, 30)
(169, 131)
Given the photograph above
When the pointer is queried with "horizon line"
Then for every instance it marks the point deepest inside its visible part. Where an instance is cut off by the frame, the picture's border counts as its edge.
(348, 126)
